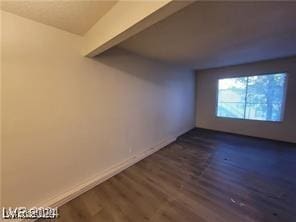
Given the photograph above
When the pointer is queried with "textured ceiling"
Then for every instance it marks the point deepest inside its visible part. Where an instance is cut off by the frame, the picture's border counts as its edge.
(73, 16)
(213, 34)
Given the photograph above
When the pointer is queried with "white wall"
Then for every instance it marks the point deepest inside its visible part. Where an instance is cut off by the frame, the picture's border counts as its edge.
(207, 82)
(67, 118)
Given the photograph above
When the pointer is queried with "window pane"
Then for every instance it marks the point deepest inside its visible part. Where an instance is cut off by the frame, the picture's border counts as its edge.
(231, 110)
(231, 97)
(232, 90)
(265, 94)
(254, 97)
(277, 112)
(256, 111)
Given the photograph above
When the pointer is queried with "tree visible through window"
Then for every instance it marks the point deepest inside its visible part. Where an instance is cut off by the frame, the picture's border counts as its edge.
(253, 97)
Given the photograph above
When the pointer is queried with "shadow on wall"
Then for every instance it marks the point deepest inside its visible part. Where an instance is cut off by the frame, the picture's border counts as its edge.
(146, 69)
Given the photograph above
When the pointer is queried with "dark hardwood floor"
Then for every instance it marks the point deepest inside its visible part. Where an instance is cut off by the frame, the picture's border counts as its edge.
(203, 176)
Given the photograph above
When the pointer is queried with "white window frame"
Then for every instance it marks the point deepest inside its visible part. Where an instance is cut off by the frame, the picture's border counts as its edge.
(283, 108)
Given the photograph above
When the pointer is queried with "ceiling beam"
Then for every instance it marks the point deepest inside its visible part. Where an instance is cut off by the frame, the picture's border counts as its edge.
(124, 20)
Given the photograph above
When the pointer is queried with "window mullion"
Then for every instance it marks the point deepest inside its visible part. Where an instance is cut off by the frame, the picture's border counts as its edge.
(245, 108)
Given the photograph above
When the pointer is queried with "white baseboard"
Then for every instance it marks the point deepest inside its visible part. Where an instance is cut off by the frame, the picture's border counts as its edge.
(105, 175)
(61, 199)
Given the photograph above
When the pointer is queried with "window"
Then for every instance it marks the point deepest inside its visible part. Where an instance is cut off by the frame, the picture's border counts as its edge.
(252, 97)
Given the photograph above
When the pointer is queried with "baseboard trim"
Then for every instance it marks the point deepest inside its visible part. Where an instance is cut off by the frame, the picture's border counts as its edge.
(105, 175)
(79, 189)
(246, 135)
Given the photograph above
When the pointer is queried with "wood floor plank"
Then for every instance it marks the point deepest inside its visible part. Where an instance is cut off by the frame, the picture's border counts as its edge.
(204, 176)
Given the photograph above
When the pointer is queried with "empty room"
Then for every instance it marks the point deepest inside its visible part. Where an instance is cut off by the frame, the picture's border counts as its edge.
(148, 111)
